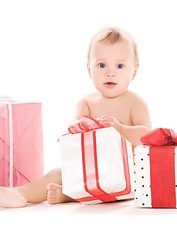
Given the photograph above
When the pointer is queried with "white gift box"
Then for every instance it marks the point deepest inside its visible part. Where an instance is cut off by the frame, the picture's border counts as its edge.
(97, 166)
(155, 176)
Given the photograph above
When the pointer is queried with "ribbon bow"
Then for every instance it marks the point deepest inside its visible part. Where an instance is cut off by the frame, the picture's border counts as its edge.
(85, 124)
(160, 137)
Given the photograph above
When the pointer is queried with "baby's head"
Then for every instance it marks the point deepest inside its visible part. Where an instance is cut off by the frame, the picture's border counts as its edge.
(112, 35)
(112, 61)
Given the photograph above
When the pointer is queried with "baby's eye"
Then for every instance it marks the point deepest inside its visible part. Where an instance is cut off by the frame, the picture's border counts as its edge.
(120, 66)
(101, 65)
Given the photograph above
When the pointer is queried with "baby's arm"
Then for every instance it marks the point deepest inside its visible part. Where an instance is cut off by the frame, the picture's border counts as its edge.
(140, 120)
(82, 108)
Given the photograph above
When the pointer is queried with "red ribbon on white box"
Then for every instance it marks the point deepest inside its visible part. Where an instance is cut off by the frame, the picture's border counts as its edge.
(87, 127)
(86, 123)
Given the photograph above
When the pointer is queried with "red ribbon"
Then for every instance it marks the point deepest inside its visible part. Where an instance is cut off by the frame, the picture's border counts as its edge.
(86, 123)
(160, 137)
(87, 126)
(162, 166)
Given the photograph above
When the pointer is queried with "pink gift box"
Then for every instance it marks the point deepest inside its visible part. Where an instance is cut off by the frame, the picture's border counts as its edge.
(21, 143)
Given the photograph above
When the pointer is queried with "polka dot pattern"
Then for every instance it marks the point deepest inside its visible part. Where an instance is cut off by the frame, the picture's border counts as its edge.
(142, 177)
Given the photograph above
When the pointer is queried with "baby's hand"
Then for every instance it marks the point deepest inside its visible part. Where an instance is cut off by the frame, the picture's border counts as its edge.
(107, 118)
(111, 119)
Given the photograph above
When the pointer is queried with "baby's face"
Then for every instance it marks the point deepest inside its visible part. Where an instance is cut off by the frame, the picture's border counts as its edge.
(112, 67)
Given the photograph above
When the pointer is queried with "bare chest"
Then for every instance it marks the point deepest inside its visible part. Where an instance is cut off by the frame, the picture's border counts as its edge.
(118, 109)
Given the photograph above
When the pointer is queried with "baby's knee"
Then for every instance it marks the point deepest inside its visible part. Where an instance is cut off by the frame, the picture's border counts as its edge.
(55, 176)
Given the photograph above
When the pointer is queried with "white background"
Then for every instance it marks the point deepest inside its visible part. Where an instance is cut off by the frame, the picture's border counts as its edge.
(43, 56)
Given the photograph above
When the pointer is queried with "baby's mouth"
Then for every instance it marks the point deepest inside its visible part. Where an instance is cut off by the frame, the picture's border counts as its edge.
(110, 84)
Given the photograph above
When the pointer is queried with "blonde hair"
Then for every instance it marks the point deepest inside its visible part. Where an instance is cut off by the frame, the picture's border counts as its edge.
(113, 35)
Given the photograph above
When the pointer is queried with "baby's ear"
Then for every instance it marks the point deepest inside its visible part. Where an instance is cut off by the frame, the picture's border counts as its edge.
(135, 71)
(88, 68)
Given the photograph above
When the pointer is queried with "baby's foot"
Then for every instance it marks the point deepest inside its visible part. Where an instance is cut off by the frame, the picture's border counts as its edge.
(54, 193)
(11, 198)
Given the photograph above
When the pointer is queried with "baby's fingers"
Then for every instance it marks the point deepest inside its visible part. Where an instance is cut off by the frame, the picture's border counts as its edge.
(106, 118)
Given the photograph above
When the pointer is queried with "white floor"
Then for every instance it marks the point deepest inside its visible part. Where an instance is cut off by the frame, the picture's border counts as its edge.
(76, 221)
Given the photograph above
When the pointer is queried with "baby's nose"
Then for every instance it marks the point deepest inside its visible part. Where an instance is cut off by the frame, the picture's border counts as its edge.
(110, 74)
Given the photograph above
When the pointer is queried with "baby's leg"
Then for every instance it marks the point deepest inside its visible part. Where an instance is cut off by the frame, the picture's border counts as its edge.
(10, 197)
(36, 191)
(33, 192)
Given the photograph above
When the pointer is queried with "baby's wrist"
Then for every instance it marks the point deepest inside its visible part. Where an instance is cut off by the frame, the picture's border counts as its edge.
(117, 126)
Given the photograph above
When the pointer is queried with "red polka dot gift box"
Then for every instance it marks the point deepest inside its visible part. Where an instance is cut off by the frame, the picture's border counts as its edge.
(21, 142)
(155, 169)
(97, 163)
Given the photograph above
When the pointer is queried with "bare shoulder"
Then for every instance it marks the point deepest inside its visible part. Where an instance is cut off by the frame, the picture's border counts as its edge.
(139, 110)
(92, 97)
(83, 106)
(135, 99)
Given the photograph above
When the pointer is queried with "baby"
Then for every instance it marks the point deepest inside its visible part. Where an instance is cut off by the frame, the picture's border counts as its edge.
(112, 65)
